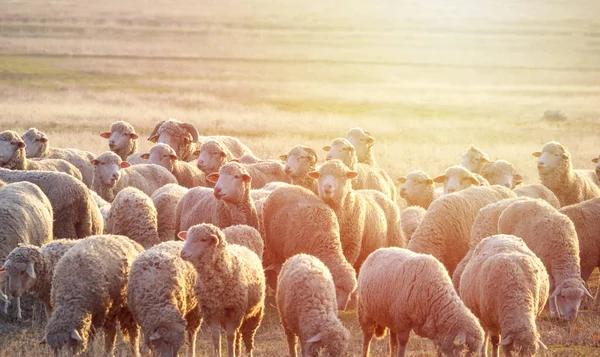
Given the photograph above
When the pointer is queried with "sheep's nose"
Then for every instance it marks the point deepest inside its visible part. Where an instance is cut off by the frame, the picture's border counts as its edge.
(217, 190)
(288, 169)
(328, 157)
(450, 190)
(507, 185)
(114, 176)
(111, 142)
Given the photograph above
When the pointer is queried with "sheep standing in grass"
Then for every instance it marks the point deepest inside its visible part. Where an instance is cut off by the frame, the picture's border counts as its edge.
(308, 308)
(165, 201)
(418, 189)
(506, 286)
(538, 191)
(363, 142)
(554, 168)
(161, 297)
(299, 161)
(410, 218)
(89, 292)
(404, 291)
(38, 146)
(123, 141)
(474, 159)
(186, 174)
(109, 179)
(230, 286)
(457, 178)
(503, 173)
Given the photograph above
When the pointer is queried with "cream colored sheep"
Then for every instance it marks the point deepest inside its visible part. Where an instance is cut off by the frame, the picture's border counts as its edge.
(596, 161)
(418, 189)
(123, 141)
(186, 174)
(299, 161)
(363, 143)
(474, 159)
(538, 191)
(245, 236)
(410, 218)
(457, 178)
(165, 201)
(503, 173)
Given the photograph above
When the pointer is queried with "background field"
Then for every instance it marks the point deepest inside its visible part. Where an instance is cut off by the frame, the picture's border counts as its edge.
(427, 78)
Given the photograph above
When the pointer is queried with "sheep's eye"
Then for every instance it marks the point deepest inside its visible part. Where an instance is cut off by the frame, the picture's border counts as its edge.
(236, 176)
(101, 163)
(37, 140)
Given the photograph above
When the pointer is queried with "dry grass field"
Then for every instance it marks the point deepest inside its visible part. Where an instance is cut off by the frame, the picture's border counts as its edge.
(426, 77)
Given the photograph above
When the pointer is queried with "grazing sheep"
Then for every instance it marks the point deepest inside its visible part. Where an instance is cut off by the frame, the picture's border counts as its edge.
(165, 201)
(506, 286)
(368, 177)
(25, 217)
(75, 214)
(308, 308)
(38, 146)
(410, 218)
(30, 269)
(554, 169)
(403, 291)
(538, 191)
(418, 189)
(228, 204)
(109, 179)
(503, 173)
(161, 298)
(245, 236)
(364, 222)
(552, 237)
(122, 140)
(457, 178)
(186, 174)
(13, 157)
(132, 214)
(474, 159)
(230, 286)
(445, 229)
(299, 161)
(363, 142)
(89, 292)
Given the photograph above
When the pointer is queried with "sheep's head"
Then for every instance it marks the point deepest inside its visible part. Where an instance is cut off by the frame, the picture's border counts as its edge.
(416, 185)
(232, 183)
(461, 339)
(62, 337)
(211, 156)
(552, 157)
(167, 338)
(299, 161)
(201, 241)
(525, 343)
(20, 265)
(161, 155)
(11, 147)
(334, 180)
(362, 141)
(36, 143)
(596, 161)
(332, 339)
(107, 168)
(342, 149)
(503, 173)
(457, 178)
(176, 134)
(122, 139)
(568, 296)
(474, 159)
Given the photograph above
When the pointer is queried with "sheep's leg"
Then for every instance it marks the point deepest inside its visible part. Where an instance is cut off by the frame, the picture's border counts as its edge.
(134, 340)
(110, 337)
(48, 310)
(194, 320)
(495, 346)
(292, 341)
(393, 344)
(367, 337)
(5, 298)
(231, 330)
(484, 346)
(237, 342)
(597, 298)
(18, 304)
(402, 338)
(191, 337)
(248, 330)
(216, 337)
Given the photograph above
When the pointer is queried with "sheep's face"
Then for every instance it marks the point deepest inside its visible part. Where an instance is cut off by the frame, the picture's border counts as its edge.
(231, 183)
(504, 178)
(548, 161)
(340, 150)
(413, 188)
(200, 241)
(362, 142)
(65, 340)
(342, 298)
(174, 141)
(525, 344)
(331, 341)
(21, 277)
(474, 159)
(9, 149)
(107, 169)
(161, 155)
(457, 345)
(35, 143)
(160, 341)
(211, 158)
(119, 141)
(456, 179)
(334, 180)
(568, 296)
(299, 162)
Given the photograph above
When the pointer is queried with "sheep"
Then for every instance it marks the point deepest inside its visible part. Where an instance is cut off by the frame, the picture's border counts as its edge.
(13, 157)
(363, 217)
(552, 237)
(109, 179)
(445, 229)
(403, 291)
(474, 159)
(186, 174)
(122, 140)
(185, 139)
(25, 217)
(89, 292)
(132, 214)
(363, 142)
(596, 161)
(503, 173)
(554, 169)
(102, 205)
(161, 298)
(75, 214)
(30, 268)
(230, 286)
(228, 204)
(38, 146)
(368, 177)
(307, 306)
(299, 161)
(457, 178)
(245, 236)
(418, 189)
(538, 191)
(410, 218)
(297, 221)
(165, 201)
(506, 286)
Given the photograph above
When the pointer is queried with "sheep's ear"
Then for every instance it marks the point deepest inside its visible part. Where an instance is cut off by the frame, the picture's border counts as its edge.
(94, 162)
(565, 156)
(182, 235)
(44, 140)
(315, 338)
(537, 154)
(555, 292)
(370, 141)
(76, 336)
(214, 177)
(153, 138)
(429, 182)
(30, 270)
(506, 340)
(124, 165)
(326, 148)
(145, 156)
(105, 135)
(196, 153)
(313, 175)
(21, 144)
(474, 181)
(518, 179)
(174, 157)
(283, 158)
(5, 265)
(214, 238)
(350, 149)
(595, 160)
(155, 336)
(401, 179)
(223, 154)
(440, 179)
(247, 178)
(542, 346)
(484, 159)
(351, 174)
(460, 339)
(586, 292)
(134, 136)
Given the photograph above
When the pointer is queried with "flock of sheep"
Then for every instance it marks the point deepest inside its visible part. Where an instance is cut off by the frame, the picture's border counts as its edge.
(153, 243)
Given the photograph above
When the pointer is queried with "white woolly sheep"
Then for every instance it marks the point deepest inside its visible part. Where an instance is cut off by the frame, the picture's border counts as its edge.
(366, 222)
(307, 306)
(245, 236)
(30, 269)
(418, 189)
(297, 221)
(109, 179)
(506, 286)
(596, 161)
(368, 177)
(552, 237)
(38, 146)
(123, 141)
(89, 292)
(410, 218)
(503, 173)
(186, 174)
(228, 204)
(230, 286)
(403, 291)
(538, 191)
(474, 159)
(165, 201)
(445, 229)
(102, 205)
(13, 157)
(25, 217)
(161, 298)
(457, 178)
(554, 169)
(299, 161)
(132, 214)
(363, 142)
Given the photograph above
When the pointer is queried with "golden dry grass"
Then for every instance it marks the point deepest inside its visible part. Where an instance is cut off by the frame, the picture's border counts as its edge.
(427, 78)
